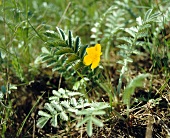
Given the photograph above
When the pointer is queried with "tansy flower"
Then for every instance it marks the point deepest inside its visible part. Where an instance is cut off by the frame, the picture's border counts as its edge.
(93, 56)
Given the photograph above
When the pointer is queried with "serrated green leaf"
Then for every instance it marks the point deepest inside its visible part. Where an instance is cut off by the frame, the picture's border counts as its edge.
(42, 121)
(130, 88)
(61, 32)
(139, 21)
(128, 59)
(42, 113)
(78, 65)
(51, 63)
(72, 58)
(120, 62)
(100, 105)
(144, 27)
(54, 121)
(136, 52)
(140, 43)
(55, 98)
(77, 44)
(62, 91)
(45, 50)
(72, 110)
(64, 50)
(123, 46)
(89, 127)
(82, 105)
(97, 122)
(73, 101)
(51, 33)
(98, 112)
(138, 80)
(57, 106)
(45, 58)
(142, 35)
(154, 16)
(55, 43)
(126, 39)
(49, 107)
(82, 51)
(63, 116)
(147, 14)
(70, 39)
(58, 94)
(65, 104)
(83, 112)
(56, 68)
(130, 31)
(59, 43)
(83, 121)
(74, 94)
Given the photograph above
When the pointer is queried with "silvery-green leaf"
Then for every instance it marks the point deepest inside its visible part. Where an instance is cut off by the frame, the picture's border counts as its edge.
(83, 121)
(65, 104)
(89, 127)
(62, 91)
(130, 88)
(61, 32)
(42, 121)
(42, 113)
(45, 50)
(49, 107)
(55, 98)
(82, 105)
(85, 111)
(97, 122)
(139, 21)
(63, 116)
(57, 93)
(77, 44)
(73, 101)
(57, 106)
(72, 110)
(100, 105)
(54, 121)
(74, 93)
(70, 39)
(98, 112)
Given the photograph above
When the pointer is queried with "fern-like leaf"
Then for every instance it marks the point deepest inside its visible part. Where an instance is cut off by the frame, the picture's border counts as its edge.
(70, 39)
(61, 32)
(77, 44)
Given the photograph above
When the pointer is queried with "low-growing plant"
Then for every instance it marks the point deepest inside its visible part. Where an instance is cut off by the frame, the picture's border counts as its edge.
(99, 69)
(66, 54)
(63, 105)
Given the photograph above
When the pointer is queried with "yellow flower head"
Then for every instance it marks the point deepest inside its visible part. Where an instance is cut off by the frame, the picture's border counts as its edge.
(93, 56)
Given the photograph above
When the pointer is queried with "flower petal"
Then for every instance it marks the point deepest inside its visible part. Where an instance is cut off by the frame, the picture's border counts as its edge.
(87, 60)
(90, 50)
(95, 63)
(98, 48)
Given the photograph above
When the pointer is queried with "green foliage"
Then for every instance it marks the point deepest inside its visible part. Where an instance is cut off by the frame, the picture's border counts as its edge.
(133, 41)
(124, 29)
(64, 104)
(130, 88)
(63, 53)
(112, 20)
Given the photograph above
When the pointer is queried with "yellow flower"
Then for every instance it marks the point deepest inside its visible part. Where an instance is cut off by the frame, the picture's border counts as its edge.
(93, 56)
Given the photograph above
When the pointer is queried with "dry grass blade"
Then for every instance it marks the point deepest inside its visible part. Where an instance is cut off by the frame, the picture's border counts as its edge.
(149, 128)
